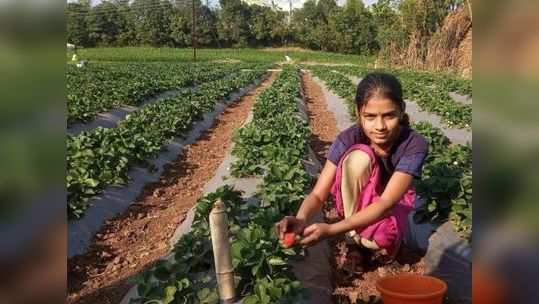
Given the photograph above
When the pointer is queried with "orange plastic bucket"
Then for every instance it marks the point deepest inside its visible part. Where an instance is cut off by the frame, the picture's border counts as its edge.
(411, 289)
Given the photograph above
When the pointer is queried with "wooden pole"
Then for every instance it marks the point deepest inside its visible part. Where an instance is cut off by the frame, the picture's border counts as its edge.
(221, 252)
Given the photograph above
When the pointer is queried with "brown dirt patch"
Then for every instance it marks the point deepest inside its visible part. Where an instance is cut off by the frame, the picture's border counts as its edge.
(352, 283)
(323, 125)
(130, 243)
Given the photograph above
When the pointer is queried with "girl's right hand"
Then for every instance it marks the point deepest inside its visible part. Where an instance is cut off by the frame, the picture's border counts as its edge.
(289, 224)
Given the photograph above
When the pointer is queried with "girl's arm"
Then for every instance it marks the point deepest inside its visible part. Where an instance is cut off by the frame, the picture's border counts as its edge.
(396, 187)
(311, 204)
(314, 201)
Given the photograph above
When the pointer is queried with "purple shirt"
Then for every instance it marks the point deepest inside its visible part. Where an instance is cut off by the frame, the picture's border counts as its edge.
(407, 155)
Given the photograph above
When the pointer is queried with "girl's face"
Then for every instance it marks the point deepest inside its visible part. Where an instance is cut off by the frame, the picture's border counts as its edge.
(379, 118)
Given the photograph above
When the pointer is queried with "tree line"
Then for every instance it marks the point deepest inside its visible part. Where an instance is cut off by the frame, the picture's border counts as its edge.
(386, 26)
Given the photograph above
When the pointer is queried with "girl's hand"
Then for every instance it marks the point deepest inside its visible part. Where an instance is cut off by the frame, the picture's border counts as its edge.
(289, 224)
(315, 233)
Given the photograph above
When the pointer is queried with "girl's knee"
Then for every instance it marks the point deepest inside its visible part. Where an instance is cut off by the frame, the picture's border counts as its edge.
(357, 162)
(357, 159)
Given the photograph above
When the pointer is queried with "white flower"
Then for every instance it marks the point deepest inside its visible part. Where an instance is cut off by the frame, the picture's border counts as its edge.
(455, 163)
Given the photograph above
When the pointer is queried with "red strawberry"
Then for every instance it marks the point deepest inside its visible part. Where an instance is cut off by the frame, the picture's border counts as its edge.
(289, 239)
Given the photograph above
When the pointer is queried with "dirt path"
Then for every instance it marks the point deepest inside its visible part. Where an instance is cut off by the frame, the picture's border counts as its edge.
(322, 122)
(130, 243)
(355, 284)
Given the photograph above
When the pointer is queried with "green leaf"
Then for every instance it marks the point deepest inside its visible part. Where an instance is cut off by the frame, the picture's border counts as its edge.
(276, 261)
(170, 291)
(91, 182)
(288, 251)
(252, 299)
(203, 293)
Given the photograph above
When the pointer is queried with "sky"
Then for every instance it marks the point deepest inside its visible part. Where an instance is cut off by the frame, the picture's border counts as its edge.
(281, 3)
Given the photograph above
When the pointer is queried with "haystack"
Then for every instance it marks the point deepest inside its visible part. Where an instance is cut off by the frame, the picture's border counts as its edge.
(450, 48)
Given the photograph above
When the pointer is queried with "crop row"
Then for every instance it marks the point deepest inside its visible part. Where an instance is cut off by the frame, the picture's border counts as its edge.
(102, 157)
(99, 87)
(446, 181)
(440, 81)
(339, 84)
(428, 90)
(260, 263)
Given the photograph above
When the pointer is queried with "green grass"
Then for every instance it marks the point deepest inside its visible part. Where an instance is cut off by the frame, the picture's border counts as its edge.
(246, 55)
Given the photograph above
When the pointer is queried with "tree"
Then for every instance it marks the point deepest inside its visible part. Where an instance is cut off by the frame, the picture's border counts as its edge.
(126, 24)
(319, 24)
(353, 29)
(267, 25)
(233, 27)
(325, 8)
(180, 28)
(207, 26)
(77, 25)
(152, 21)
(103, 24)
(389, 28)
(354, 6)
(303, 25)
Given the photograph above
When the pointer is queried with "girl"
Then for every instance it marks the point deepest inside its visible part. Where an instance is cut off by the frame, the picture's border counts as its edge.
(369, 171)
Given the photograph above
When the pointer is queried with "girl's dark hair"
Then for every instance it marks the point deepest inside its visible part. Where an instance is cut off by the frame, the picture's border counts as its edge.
(385, 85)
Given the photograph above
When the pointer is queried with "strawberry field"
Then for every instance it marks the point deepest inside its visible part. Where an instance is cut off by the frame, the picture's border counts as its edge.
(102, 157)
(256, 150)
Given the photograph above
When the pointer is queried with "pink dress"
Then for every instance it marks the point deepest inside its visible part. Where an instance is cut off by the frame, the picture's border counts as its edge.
(388, 232)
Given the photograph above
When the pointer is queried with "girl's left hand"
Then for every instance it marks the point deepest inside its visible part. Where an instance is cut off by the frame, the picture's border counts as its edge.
(315, 233)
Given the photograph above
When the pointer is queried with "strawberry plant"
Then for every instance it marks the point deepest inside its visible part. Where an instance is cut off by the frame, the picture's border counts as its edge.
(260, 264)
(446, 181)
